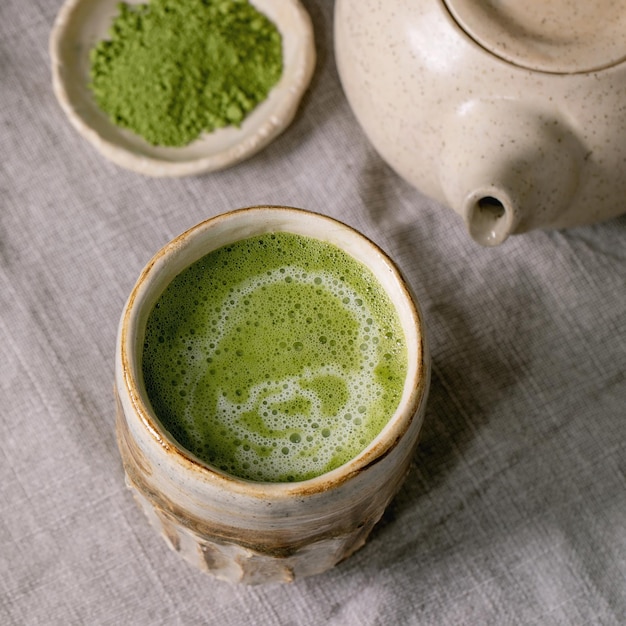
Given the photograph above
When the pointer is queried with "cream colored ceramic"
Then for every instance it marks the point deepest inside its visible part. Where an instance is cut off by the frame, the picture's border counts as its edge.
(255, 532)
(512, 113)
(81, 24)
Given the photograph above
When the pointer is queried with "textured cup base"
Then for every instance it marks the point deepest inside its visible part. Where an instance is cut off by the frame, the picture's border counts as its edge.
(240, 564)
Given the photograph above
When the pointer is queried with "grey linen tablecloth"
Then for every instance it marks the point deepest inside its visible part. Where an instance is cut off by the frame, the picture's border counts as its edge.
(515, 509)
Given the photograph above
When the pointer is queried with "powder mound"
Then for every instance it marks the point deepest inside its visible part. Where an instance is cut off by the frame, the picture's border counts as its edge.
(173, 70)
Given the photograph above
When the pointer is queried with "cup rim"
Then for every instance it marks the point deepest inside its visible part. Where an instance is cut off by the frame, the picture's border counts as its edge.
(128, 363)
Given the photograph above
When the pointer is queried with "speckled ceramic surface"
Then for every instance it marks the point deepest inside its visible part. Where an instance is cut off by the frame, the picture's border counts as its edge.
(560, 36)
(512, 114)
(255, 532)
(80, 24)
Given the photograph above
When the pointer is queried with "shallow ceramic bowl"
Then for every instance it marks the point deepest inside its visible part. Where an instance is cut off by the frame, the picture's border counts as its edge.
(81, 24)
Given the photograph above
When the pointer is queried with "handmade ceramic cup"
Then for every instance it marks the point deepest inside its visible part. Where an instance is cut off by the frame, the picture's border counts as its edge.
(256, 532)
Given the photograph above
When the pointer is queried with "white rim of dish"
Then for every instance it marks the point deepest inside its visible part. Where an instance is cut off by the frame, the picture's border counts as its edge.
(285, 98)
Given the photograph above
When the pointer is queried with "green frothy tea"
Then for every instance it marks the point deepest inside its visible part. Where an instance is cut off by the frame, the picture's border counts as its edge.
(276, 358)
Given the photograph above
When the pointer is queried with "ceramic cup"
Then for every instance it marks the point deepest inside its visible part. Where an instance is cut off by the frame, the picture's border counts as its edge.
(257, 532)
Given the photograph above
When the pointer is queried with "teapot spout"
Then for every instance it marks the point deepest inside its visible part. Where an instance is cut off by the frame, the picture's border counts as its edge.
(507, 168)
(490, 216)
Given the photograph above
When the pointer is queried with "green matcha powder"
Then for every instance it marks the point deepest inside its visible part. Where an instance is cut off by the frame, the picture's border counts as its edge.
(173, 69)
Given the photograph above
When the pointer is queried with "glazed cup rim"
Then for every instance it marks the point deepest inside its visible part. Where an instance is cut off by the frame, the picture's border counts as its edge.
(256, 220)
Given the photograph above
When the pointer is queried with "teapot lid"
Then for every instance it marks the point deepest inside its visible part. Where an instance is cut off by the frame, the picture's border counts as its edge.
(559, 36)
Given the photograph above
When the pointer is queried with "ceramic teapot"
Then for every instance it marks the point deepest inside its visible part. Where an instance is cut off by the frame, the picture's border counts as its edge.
(513, 114)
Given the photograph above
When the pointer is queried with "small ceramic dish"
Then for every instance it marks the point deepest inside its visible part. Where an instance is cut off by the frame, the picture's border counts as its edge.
(81, 24)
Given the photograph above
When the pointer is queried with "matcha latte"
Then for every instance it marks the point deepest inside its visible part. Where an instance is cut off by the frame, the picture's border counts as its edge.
(276, 358)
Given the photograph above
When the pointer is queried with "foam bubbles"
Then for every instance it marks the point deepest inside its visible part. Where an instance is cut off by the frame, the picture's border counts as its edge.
(281, 369)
